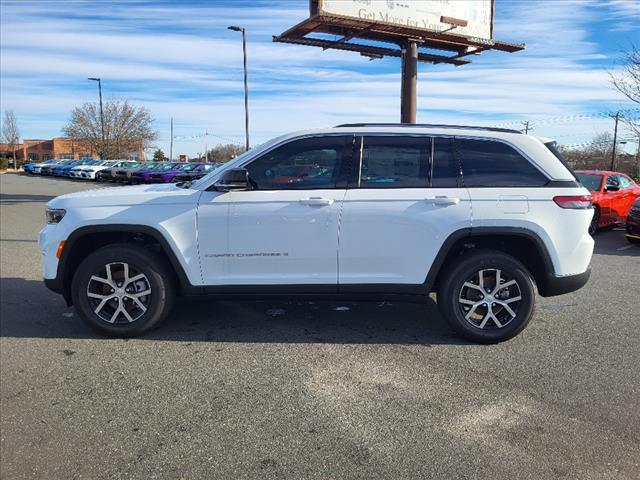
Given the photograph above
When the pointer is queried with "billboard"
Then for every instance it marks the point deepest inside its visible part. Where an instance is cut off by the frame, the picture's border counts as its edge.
(416, 14)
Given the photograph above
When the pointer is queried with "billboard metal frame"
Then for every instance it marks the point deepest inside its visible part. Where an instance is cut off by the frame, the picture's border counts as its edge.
(350, 32)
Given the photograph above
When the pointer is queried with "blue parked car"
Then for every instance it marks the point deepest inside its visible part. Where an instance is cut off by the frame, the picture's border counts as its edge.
(63, 169)
(31, 166)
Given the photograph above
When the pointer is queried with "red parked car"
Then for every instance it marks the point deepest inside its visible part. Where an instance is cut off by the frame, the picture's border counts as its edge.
(613, 194)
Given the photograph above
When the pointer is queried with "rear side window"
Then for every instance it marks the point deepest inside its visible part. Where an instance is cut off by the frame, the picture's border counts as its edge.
(487, 163)
(446, 168)
(395, 162)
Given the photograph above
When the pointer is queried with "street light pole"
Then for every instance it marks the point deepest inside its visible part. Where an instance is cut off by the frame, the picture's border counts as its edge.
(104, 148)
(246, 88)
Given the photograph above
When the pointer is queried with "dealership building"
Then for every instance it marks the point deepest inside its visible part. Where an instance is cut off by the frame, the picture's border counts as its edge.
(58, 148)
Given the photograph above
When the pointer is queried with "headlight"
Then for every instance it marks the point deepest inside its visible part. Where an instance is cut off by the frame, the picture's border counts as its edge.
(54, 215)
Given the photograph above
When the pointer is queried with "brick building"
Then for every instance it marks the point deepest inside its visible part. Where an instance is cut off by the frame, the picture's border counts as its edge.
(58, 147)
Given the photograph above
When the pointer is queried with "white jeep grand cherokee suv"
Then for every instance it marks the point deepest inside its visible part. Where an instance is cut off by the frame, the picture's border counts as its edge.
(481, 216)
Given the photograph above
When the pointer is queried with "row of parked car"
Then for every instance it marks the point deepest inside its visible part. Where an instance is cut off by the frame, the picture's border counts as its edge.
(123, 171)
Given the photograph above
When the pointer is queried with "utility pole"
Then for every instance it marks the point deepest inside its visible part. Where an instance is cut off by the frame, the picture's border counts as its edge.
(104, 145)
(206, 147)
(171, 143)
(616, 117)
(246, 88)
(527, 127)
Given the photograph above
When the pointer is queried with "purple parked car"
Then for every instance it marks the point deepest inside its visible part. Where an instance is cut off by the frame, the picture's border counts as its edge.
(174, 174)
(143, 175)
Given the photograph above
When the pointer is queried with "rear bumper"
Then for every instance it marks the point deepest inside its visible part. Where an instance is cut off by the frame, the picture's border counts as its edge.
(560, 285)
(53, 284)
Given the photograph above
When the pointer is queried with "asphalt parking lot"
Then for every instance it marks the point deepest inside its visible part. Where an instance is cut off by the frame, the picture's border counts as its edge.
(326, 390)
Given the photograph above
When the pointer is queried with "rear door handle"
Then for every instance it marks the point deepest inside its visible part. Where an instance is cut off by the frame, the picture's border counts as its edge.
(317, 201)
(442, 200)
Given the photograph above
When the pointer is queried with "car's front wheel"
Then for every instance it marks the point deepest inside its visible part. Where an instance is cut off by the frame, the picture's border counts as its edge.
(487, 296)
(123, 290)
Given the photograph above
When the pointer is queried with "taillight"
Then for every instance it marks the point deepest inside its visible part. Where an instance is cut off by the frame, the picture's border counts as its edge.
(573, 201)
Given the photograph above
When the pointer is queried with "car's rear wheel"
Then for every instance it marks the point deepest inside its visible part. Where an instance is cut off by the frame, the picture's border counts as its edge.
(487, 296)
(123, 290)
(595, 221)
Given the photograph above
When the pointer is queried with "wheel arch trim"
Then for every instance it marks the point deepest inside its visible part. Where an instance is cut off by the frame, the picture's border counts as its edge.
(62, 283)
(471, 232)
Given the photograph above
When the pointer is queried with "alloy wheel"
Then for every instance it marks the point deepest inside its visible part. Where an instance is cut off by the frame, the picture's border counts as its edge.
(490, 299)
(119, 293)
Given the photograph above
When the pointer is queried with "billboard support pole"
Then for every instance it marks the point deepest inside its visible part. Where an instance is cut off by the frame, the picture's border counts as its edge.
(408, 93)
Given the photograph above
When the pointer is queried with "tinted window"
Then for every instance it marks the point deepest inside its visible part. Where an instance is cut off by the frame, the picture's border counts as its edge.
(590, 181)
(487, 163)
(446, 168)
(613, 181)
(395, 162)
(302, 164)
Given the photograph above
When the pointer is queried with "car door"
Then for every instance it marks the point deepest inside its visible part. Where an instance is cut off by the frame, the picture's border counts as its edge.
(403, 202)
(629, 195)
(615, 199)
(284, 231)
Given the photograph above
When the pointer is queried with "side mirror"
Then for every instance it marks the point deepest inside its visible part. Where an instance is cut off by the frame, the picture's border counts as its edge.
(233, 179)
(612, 188)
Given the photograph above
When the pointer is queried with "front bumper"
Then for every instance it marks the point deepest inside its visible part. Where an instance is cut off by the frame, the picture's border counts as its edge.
(633, 227)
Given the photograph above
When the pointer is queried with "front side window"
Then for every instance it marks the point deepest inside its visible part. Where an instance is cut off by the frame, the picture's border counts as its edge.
(395, 162)
(310, 163)
(487, 163)
(625, 182)
(613, 181)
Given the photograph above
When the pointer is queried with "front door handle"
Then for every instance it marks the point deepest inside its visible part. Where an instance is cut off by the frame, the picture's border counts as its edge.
(317, 201)
(442, 200)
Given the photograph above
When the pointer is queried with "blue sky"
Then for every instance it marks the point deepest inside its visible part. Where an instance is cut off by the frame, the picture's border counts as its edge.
(178, 59)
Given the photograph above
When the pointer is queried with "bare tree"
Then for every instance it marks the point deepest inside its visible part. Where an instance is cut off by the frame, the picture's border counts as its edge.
(127, 127)
(10, 132)
(601, 146)
(224, 153)
(627, 82)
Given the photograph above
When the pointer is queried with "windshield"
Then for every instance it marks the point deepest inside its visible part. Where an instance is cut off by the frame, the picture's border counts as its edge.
(590, 181)
(186, 168)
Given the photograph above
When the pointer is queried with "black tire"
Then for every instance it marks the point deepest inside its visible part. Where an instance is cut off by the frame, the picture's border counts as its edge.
(453, 290)
(593, 226)
(158, 278)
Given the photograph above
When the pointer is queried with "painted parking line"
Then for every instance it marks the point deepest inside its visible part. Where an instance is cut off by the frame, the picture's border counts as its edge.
(626, 247)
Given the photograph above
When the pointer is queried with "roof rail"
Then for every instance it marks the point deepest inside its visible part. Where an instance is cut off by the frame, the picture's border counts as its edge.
(428, 125)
